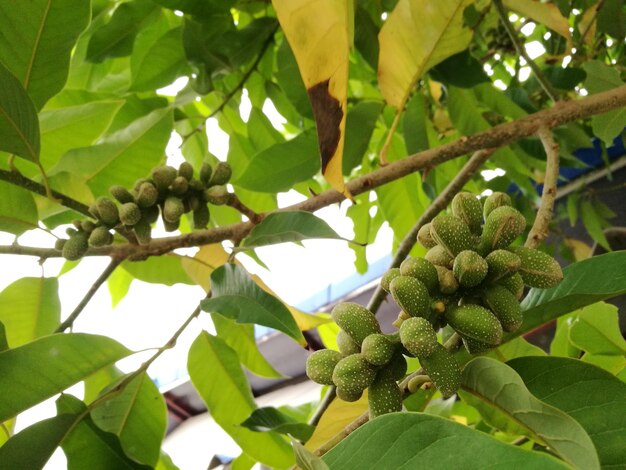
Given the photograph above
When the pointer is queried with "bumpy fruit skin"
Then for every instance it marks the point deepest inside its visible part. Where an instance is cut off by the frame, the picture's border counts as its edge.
(147, 195)
(201, 217)
(355, 320)
(447, 282)
(185, 170)
(476, 347)
(205, 172)
(87, 226)
(377, 349)
(423, 270)
(346, 344)
(130, 213)
(171, 226)
(59, 244)
(384, 396)
(443, 370)
(163, 176)
(349, 395)
(75, 247)
(504, 306)
(467, 208)
(514, 283)
(216, 195)
(538, 269)
(411, 295)
(150, 214)
(503, 225)
(121, 194)
(451, 233)
(173, 208)
(320, 366)
(179, 186)
(389, 276)
(221, 174)
(107, 211)
(100, 236)
(469, 268)
(438, 256)
(502, 263)
(396, 367)
(494, 201)
(476, 323)
(424, 237)
(418, 337)
(143, 232)
(353, 373)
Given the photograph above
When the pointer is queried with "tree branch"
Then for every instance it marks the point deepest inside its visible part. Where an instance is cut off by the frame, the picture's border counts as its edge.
(234, 202)
(540, 228)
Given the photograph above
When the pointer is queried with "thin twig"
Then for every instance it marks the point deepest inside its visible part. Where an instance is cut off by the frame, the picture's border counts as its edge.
(234, 202)
(323, 405)
(69, 321)
(540, 228)
(522, 50)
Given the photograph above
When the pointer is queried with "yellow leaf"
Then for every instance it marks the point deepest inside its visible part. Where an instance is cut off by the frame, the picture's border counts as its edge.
(579, 248)
(548, 14)
(338, 415)
(319, 33)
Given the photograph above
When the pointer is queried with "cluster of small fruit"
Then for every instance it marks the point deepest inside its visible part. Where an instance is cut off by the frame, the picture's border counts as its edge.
(169, 193)
(470, 279)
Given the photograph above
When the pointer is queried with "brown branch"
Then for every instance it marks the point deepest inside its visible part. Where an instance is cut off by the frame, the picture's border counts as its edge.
(501, 135)
(69, 321)
(234, 202)
(540, 228)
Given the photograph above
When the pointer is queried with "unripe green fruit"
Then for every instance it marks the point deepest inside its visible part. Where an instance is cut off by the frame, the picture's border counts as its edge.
(320, 366)
(355, 320)
(503, 225)
(185, 170)
(411, 295)
(502, 263)
(195, 203)
(130, 213)
(221, 174)
(514, 283)
(201, 217)
(163, 176)
(353, 373)
(438, 256)
(77, 223)
(469, 268)
(421, 269)
(75, 247)
(396, 367)
(389, 276)
(150, 214)
(418, 337)
(346, 344)
(402, 316)
(377, 349)
(70, 231)
(504, 306)
(384, 396)
(538, 269)
(108, 212)
(143, 232)
(197, 185)
(216, 195)
(87, 226)
(474, 346)
(100, 236)
(93, 210)
(467, 208)
(59, 244)
(147, 195)
(475, 322)
(447, 282)
(141, 181)
(205, 173)
(451, 233)
(349, 395)
(495, 200)
(179, 186)
(121, 194)
(424, 237)
(443, 370)
(171, 226)
(173, 209)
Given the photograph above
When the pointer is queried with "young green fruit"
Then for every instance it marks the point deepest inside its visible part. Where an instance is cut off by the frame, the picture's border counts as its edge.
(87, 226)
(355, 320)
(121, 194)
(171, 226)
(424, 237)
(474, 346)
(130, 213)
(59, 244)
(320, 366)
(349, 395)
(147, 195)
(163, 176)
(418, 337)
(538, 269)
(502, 263)
(216, 195)
(205, 172)
(443, 370)
(396, 367)
(384, 396)
(143, 232)
(469, 268)
(411, 295)
(468, 208)
(389, 276)
(423, 270)
(514, 283)
(107, 210)
(503, 225)
(447, 282)
(173, 209)
(201, 217)
(451, 233)
(150, 214)
(438, 256)
(475, 322)
(75, 247)
(100, 236)
(377, 349)
(179, 186)
(346, 344)
(221, 174)
(495, 200)
(504, 306)
(353, 373)
(185, 170)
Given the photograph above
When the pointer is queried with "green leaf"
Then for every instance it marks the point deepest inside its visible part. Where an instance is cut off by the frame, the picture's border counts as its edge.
(307, 460)
(240, 337)
(238, 297)
(37, 41)
(360, 125)
(142, 143)
(499, 386)
(282, 165)
(166, 270)
(595, 329)
(217, 376)
(572, 208)
(19, 127)
(585, 282)
(564, 78)
(414, 124)
(593, 223)
(611, 18)
(30, 308)
(448, 71)
(515, 348)
(119, 284)
(289, 79)
(561, 344)
(138, 416)
(409, 440)
(18, 212)
(4, 344)
(270, 419)
(288, 226)
(590, 395)
(38, 370)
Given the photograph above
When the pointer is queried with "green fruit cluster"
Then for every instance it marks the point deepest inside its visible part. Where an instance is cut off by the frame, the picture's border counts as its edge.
(168, 193)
